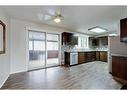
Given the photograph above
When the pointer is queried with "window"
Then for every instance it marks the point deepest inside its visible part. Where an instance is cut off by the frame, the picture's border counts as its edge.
(52, 45)
(52, 41)
(36, 35)
(52, 37)
(39, 45)
(83, 42)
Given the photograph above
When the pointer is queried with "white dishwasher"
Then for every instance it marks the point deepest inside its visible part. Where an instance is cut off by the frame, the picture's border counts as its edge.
(73, 58)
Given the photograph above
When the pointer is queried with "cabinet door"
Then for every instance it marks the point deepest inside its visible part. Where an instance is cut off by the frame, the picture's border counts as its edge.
(119, 67)
(104, 40)
(66, 59)
(123, 30)
(95, 42)
(91, 56)
(97, 56)
(74, 40)
(103, 56)
(81, 57)
(66, 38)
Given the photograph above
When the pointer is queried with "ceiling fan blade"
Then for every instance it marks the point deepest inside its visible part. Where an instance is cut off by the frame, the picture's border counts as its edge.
(47, 17)
(51, 12)
(40, 16)
(43, 17)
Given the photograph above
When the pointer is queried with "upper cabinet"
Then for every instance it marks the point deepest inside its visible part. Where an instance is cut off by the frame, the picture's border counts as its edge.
(103, 40)
(93, 41)
(123, 30)
(98, 41)
(66, 37)
(69, 39)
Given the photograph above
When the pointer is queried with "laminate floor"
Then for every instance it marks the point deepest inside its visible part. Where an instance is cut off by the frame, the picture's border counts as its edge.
(92, 75)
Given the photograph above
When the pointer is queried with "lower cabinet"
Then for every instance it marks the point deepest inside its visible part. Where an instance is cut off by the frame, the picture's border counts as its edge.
(103, 56)
(97, 56)
(66, 59)
(84, 57)
(119, 68)
(81, 57)
(90, 56)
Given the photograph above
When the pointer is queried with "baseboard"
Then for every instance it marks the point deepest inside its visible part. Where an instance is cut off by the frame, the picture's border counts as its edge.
(4, 80)
(18, 72)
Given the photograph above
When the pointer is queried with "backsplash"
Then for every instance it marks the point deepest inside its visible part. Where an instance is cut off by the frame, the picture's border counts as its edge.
(65, 48)
(101, 48)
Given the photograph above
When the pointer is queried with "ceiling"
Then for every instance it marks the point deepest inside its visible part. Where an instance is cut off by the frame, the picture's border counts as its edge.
(76, 18)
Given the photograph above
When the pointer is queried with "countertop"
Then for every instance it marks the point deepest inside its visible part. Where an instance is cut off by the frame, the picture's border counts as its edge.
(86, 51)
(122, 55)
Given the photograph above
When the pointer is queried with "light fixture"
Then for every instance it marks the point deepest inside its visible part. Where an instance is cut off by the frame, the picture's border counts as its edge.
(57, 20)
(97, 29)
(113, 34)
(80, 34)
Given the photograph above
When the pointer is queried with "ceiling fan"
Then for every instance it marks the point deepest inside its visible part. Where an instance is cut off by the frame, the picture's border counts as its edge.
(51, 15)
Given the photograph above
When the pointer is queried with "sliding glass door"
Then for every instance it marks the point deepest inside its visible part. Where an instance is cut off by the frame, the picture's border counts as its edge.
(43, 50)
(37, 51)
(52, 49)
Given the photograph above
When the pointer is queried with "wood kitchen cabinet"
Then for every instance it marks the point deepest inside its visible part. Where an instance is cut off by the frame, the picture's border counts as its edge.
(103, 56)
(91, 56)
(88, 56)
(123, 30)
(97, 55)
(66, 38)
(69, 39)
(103, 40)
(99, 41)
(67, 59)
(81, 57)
(93, 41)
(119, 68)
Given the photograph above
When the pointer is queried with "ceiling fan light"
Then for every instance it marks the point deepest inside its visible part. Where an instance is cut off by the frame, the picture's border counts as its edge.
(57, 20)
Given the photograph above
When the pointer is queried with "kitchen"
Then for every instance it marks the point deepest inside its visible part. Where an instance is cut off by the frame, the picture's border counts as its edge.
(96, 48)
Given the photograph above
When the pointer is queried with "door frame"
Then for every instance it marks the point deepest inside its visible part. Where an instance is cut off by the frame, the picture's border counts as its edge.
(43, 31)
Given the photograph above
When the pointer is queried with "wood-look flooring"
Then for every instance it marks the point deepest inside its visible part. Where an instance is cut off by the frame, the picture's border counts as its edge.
(92, 75)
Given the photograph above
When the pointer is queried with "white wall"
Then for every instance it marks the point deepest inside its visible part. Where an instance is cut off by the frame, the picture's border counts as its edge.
(19, 38)
(117, 47)
(5, 58)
